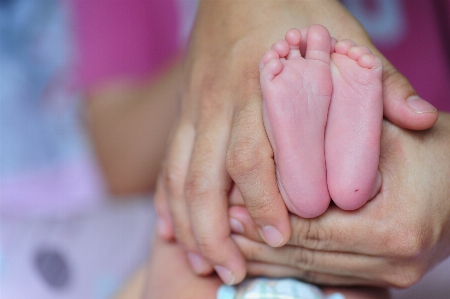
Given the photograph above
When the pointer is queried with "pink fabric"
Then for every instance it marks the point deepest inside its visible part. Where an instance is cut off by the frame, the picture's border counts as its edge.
(421, 55)
(124, 38)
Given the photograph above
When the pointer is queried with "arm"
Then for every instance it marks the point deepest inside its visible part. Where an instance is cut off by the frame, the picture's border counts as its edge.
(170, 277)
(221, 130)
(391, 241)
(130, 125)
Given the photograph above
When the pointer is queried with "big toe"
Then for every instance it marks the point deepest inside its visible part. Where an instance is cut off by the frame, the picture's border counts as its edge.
(318, 44)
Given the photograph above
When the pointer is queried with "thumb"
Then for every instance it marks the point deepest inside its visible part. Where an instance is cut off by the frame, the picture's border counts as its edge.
(401, 104)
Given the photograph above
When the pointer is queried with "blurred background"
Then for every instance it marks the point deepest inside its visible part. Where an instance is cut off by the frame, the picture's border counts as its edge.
(77, 78)
(83, 83)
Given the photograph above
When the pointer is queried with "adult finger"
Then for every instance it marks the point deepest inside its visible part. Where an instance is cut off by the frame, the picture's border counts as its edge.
(251, 166)
(401, 104)
(174, 174)
(368, 227)
(206, 189)
(332, 231)
(326, 232)
(327, 267)
(164, 220)
(399, 234)
(243, 224)
(307, 260)
(401, 269)
(274, 270)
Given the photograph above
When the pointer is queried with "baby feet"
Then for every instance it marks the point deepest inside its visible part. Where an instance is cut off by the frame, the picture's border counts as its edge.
(296, 97)
(322, 149)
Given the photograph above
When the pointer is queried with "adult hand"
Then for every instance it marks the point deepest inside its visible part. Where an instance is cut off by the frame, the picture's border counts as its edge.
(391, 241)
(221, 131)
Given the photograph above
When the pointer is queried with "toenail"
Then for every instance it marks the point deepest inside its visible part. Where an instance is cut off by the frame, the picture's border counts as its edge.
(271, 236)
(419, 105)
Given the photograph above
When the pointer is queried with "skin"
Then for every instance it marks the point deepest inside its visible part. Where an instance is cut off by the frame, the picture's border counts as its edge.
(220, 136)
(393, 240)
(168, 258)
(131, 161)
(318, 110)
(296, 97)
(352, 139)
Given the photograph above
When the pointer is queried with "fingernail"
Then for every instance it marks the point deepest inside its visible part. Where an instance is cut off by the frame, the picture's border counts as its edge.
(419, 105)
(226, 275)
(271, 236)
(236, 226)
(198, 264)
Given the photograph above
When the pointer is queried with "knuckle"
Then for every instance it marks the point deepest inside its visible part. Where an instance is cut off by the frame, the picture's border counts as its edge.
(310, 276)
(390, 76)
(407, 246)
(413, 245)
(312, 235)
(173, 178)
(197, 186)
(208, 246)
(243, 159)
(248, 146)
(251, 250)
(253, 253)
(393, 79)
(404, 277)
(302, 258)
(261, 211)
(407, 242)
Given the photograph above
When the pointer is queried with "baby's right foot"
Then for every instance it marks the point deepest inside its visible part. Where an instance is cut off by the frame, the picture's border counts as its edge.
(352, 142)
(296, 96)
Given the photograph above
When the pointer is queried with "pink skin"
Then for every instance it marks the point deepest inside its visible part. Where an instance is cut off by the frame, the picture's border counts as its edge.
(352, 140)
(296, 97)
(310, 107)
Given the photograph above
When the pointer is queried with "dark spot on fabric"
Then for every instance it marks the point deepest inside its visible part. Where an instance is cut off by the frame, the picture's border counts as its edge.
(52, 266)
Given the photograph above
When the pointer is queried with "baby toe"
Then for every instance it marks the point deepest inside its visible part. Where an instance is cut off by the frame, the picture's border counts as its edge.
(293, 39)
(268, 56)
(343, 46)
(369, 61)
(270, 70)
(356, 52)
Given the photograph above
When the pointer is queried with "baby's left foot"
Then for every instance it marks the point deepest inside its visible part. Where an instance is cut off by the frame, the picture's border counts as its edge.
(352, 140)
